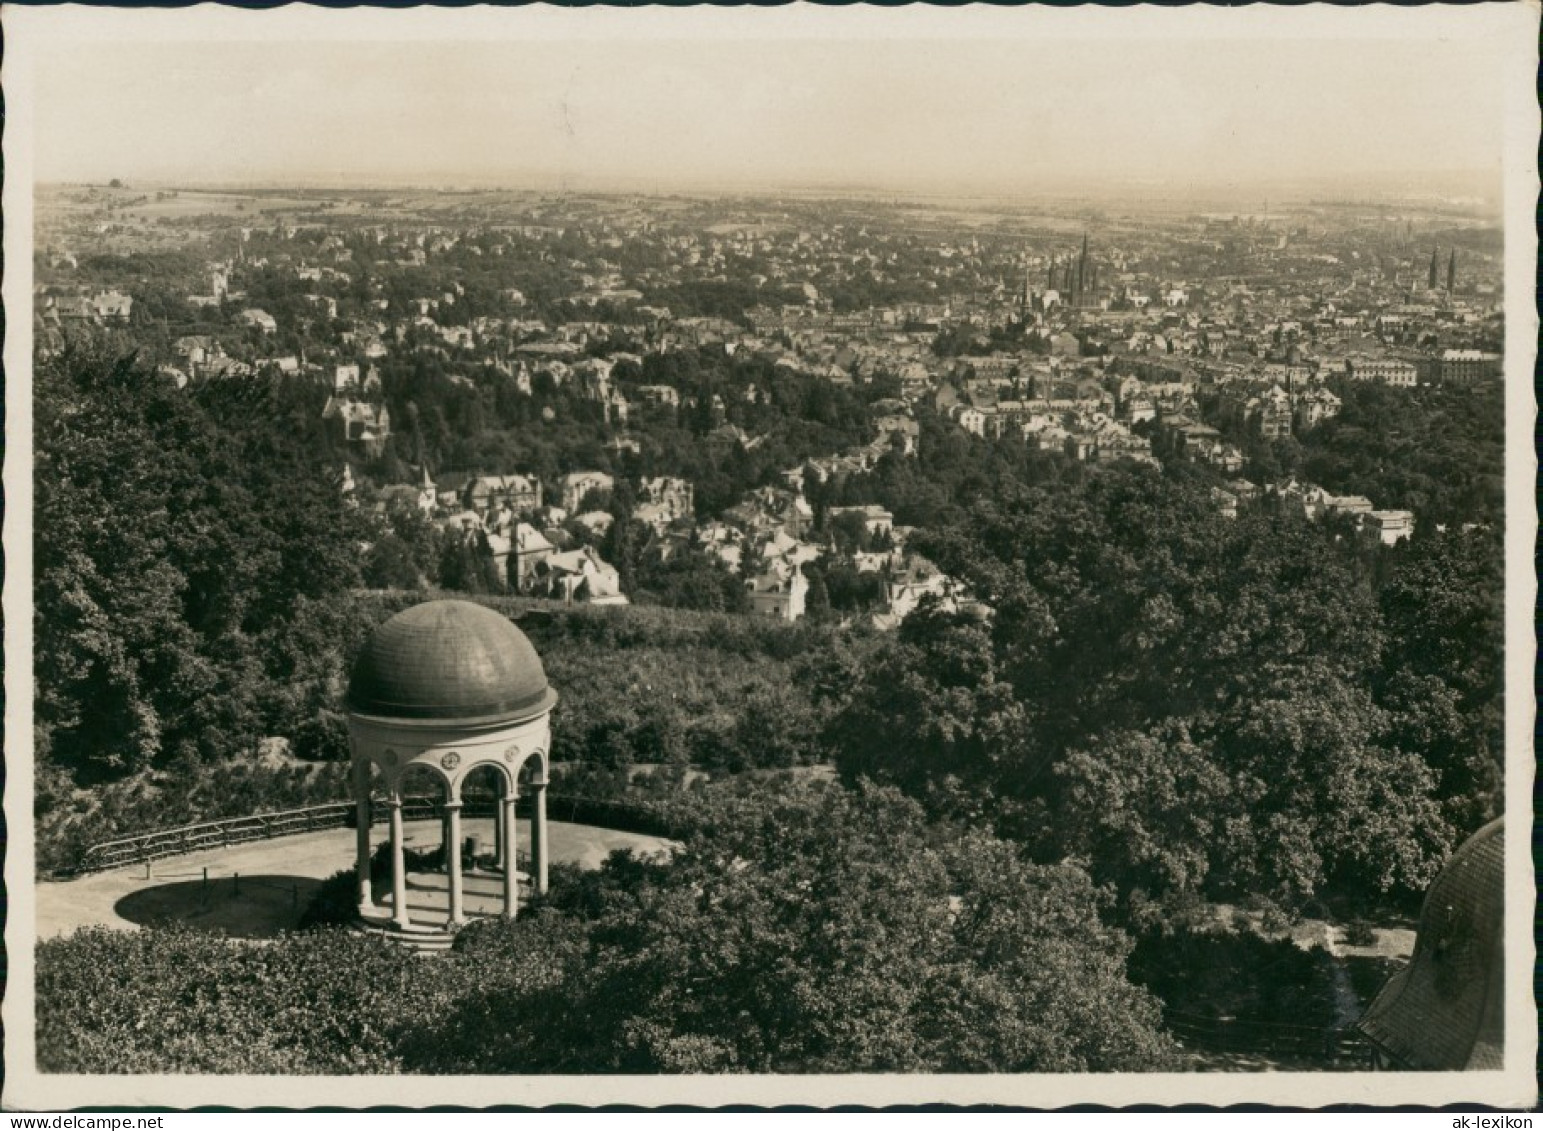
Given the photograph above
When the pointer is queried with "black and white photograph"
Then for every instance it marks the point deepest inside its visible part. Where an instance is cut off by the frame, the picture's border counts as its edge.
(801, 555)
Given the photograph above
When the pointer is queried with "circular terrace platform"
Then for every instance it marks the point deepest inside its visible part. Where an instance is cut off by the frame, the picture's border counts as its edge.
(259, 889)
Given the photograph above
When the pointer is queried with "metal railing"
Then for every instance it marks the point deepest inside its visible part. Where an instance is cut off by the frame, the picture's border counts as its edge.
(240, 830)
(159, 843)
(213, 834)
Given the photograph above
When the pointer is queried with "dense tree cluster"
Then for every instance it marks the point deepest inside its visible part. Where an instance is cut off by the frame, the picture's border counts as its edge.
(192, 560)
(721, 693)
(960, 340)
(484, 423)
(1437, 451)
(1196, 704)
(955, 470)
(639, 687)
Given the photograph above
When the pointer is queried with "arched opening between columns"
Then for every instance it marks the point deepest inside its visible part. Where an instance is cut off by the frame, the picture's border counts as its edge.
(423, 794)
(489, 788)
(532, 781)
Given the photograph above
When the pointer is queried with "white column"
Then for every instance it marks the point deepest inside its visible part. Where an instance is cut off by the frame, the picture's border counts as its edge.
(498, 828)
(538, 847)
(453, 859)
(362, 834)
(511, 883)
(398, 868)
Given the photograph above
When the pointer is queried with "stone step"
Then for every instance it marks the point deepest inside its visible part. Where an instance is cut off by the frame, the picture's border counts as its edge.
(422, 939)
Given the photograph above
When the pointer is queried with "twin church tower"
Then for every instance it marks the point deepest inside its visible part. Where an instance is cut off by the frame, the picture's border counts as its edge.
(1074, 280)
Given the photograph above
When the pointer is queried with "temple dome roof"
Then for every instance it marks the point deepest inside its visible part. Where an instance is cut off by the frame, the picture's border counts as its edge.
(451, 662)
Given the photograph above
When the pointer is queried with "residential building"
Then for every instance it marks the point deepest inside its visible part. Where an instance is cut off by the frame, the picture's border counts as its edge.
(876, 520)
(1388, 370)
(668, 499)
(487, 494)
(529, 549)
(1464, 367)
(1314, 407)
(260, 320)
(579, 577)
(362, 423)
(778, 591)
(905, 590)
(574, 487)
(1391, 527)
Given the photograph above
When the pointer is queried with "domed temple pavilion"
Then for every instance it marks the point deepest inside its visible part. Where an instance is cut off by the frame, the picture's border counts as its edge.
(451, 690)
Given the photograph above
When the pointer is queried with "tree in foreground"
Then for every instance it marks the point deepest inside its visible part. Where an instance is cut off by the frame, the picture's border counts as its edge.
(825, 930)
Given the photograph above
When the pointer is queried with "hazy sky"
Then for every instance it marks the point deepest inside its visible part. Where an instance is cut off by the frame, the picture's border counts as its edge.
(995, 114)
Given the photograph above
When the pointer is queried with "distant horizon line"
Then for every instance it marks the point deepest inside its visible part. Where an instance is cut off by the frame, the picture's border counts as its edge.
(1378, 184)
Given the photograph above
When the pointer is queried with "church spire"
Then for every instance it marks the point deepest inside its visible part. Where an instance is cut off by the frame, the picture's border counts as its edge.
(1434, 261)
(1451, 270)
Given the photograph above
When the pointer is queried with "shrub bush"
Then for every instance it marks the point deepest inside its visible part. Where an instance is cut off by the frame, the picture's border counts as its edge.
(178, 1000)
(1222, 973)
(1360, 933)
(322, 738)
(334, 904)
